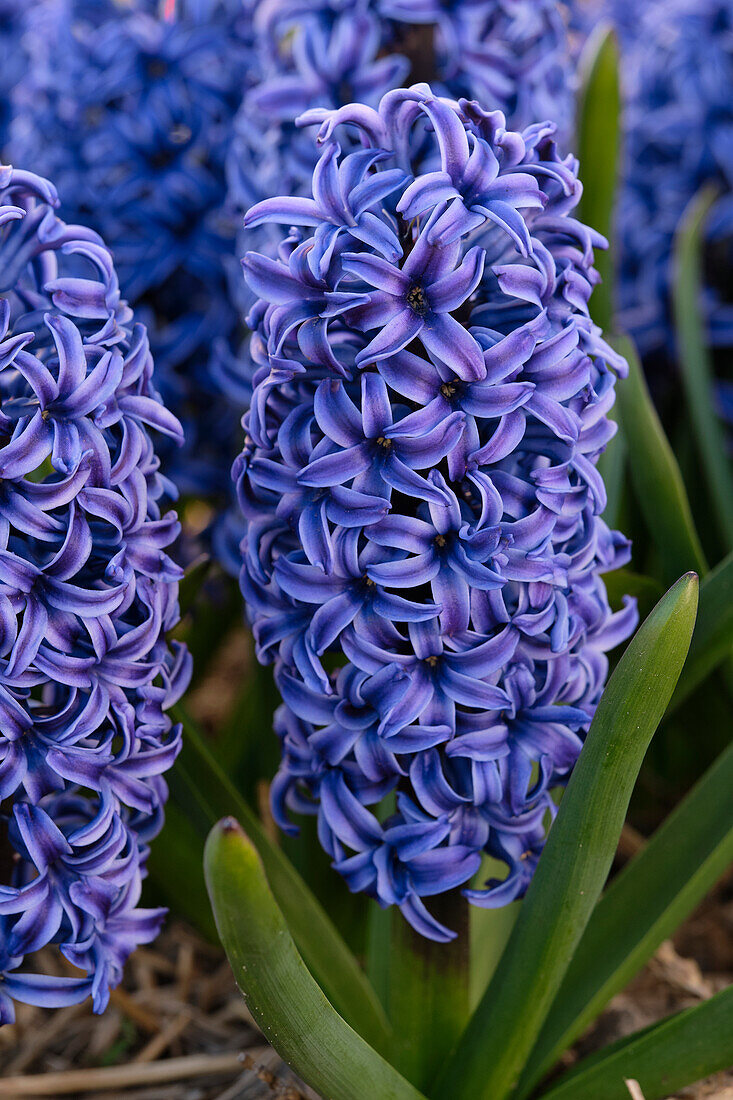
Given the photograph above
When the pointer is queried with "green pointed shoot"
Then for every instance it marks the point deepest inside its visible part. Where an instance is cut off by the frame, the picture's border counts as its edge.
(643, 906)
(576, 861)
(285, 1000)
(599, 107)
(663, 1059)
(712, 641)
(697, 372)
(655, 475)
(207, 793)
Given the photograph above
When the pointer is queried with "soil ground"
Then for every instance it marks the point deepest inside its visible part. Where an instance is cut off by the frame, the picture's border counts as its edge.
(178, 1030)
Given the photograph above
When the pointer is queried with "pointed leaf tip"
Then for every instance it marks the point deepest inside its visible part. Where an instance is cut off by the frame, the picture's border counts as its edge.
(285, 1000)
(490, 1057)
(208, 788)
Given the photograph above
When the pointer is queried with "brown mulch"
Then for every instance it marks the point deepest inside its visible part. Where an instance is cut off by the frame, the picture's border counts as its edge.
(178, 1029)
(691, 967)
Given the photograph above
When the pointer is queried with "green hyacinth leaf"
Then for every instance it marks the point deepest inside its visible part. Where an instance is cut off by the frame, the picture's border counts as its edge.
(285, 1000)
(643, 906)
(696, 366)
(599, 108)
(655, 475)
(663, 1059)
(573, 869)
(712, 641)
(206, 792)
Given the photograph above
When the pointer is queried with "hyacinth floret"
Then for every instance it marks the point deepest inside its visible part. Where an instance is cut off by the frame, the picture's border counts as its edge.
(130, 114)
(424, 546)
(87, 595)
(512, 53)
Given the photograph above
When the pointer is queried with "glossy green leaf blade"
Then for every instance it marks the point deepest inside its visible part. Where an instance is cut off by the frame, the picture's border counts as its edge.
(283, 997)
(695, 364)
(598, 150)
(574, 866)
(324, 950)
(712, 641)
(655, 475)
(643, 906)
(676, 1052)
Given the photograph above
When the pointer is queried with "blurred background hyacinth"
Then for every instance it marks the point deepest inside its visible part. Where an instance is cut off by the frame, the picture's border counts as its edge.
(678, 69)
(681, 115)
(87, 592)
(130, 114)
(513, 54)
(365, 380)
(12, 26)
(420, 493)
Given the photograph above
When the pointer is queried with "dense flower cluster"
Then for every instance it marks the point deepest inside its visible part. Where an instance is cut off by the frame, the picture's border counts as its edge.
(12, 56)
(423, 541)
(511, 53)
(87, 593)
(131, 114)
(678, 72)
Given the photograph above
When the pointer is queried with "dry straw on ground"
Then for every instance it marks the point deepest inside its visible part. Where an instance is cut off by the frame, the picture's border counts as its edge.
(179, 1030)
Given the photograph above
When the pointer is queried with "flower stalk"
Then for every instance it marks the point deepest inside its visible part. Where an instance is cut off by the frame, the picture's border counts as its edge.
(429, 991)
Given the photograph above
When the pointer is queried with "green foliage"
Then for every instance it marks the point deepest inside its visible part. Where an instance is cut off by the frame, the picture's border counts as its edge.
(285, 1000)
(176, 875)
(662, 1059)
(696, 367)
(712, 641)
(598, 143)
(644, 904)
(428, 991)
(208, 793)
(655, 475)
(577, 858)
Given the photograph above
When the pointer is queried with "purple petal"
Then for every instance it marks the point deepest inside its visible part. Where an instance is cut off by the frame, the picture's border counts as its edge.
(443, 337)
